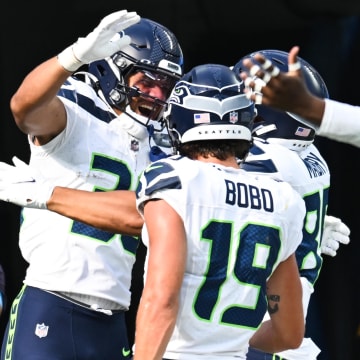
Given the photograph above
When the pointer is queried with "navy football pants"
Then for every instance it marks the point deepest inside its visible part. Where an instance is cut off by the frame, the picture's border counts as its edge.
(43, 326)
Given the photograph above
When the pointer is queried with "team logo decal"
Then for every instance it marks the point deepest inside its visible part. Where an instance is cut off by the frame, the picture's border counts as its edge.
(41, 330)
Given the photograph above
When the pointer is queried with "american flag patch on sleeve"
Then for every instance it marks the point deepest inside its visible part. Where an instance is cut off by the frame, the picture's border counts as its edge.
(300, 131)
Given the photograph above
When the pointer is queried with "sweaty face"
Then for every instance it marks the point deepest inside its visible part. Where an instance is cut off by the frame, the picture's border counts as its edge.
(153, 91)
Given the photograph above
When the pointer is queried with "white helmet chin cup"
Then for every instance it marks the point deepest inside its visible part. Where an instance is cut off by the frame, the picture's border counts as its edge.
(133, 124)
(143, 120)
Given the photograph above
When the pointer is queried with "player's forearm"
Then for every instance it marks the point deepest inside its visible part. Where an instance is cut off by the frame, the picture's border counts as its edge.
(263, 339)
(267, 339)
(113, 211)
(313, 110)
(154, 326)
(286, 328)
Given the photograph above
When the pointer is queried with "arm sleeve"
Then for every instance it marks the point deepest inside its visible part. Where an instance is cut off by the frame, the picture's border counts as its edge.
(341, 122)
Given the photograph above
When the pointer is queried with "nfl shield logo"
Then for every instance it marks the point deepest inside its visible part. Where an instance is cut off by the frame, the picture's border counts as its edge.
(233, 117)
(134, 145)
(41, 330)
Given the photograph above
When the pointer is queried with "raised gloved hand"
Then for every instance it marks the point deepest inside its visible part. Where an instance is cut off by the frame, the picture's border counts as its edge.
(23, 185)
(102, 42)
(335, 233)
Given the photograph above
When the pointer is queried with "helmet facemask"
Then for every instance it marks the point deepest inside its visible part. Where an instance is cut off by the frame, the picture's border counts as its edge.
(136, 93)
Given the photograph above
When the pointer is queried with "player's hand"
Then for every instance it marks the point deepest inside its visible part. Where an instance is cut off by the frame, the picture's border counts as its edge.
(102, 42)
(335, 233)
(23, 185)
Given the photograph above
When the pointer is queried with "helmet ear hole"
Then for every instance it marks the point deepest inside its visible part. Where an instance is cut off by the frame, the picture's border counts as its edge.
(101, 69)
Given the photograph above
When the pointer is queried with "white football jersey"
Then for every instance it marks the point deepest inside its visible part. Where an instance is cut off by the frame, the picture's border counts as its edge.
(239, 227)
(308, 173)
(93, 153)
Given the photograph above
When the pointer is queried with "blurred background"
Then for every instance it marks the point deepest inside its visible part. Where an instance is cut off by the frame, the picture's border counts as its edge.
(328, 34)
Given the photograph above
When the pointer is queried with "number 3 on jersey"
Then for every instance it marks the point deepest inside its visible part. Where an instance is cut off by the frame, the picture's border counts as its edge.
(124, 177)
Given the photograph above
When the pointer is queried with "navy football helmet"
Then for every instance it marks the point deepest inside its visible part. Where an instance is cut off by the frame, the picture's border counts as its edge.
(282, 127)
(209, 103)
(154, 50)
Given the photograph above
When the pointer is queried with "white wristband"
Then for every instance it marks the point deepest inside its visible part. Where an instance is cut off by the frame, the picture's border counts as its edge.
(68, 60)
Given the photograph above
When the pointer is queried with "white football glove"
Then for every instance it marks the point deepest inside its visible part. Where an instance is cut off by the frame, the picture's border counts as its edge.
(335, 233)
(102, 42)
(23, 185)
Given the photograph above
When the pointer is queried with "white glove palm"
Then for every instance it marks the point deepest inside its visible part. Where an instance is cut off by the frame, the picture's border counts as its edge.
(23, 185)
(102, 42)
(335, 233)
